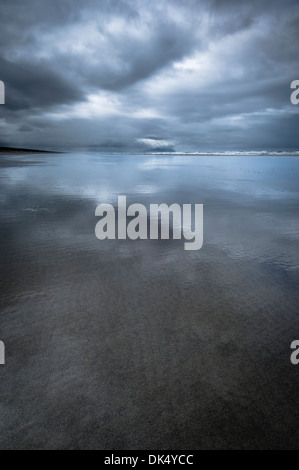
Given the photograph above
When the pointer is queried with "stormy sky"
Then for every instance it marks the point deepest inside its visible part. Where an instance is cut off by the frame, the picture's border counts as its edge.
(134, 75)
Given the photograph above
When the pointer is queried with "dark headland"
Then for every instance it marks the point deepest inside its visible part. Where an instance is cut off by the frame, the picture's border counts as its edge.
(14, 150)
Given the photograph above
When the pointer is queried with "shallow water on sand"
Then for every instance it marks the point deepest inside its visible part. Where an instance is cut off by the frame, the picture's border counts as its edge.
(122, 344)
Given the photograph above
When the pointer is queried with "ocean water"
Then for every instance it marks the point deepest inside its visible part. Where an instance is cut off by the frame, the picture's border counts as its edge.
(122, 344)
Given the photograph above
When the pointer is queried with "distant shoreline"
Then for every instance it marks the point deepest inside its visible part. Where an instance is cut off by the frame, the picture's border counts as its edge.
(249, 153)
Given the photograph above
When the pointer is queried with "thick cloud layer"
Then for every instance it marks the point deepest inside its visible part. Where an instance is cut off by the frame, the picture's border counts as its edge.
(135, 75)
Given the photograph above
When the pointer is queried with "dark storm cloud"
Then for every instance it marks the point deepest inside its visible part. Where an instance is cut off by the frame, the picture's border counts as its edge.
(136, 75)
(31, 86)
(141, 59)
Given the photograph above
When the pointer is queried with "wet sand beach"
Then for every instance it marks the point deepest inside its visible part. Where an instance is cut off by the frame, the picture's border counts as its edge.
(122, 344)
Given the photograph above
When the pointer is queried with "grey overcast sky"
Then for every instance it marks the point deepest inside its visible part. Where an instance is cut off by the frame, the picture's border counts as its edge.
(134, 75)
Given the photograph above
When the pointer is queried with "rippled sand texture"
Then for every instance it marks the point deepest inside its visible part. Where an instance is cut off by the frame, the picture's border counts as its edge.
(140, 344)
